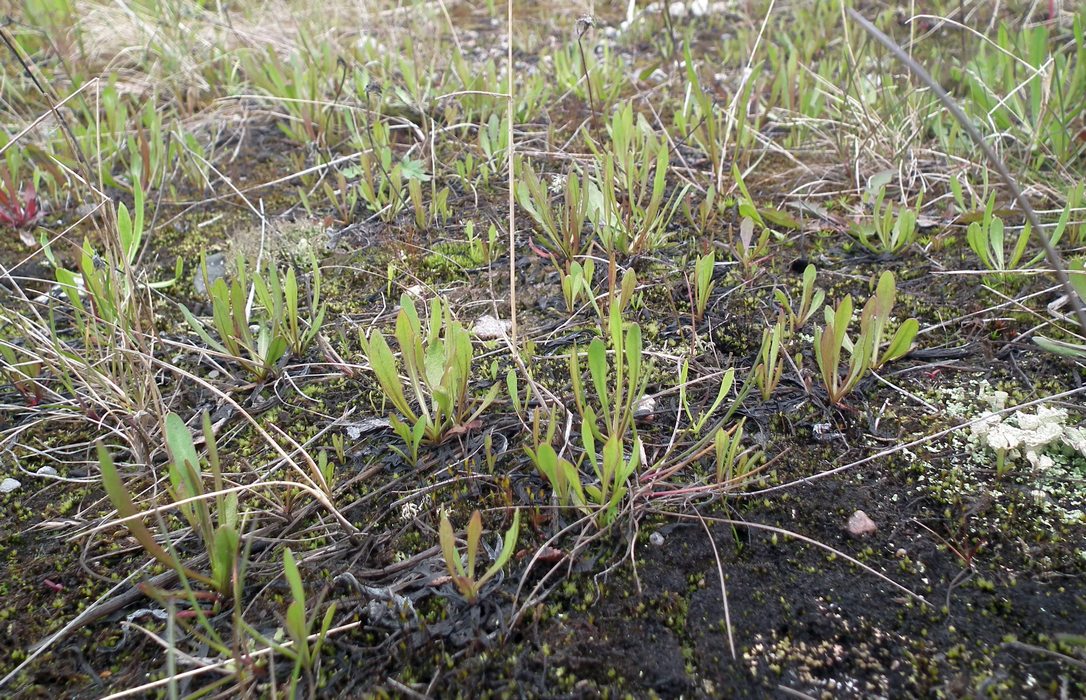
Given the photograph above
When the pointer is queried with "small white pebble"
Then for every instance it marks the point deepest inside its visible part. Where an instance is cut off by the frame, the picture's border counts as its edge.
(367, 425)
(645, 408)
(490, 328)
(9, 485)
(677, 10)
(860, 525)
(824, 432)
(46, 471)
(656, 539)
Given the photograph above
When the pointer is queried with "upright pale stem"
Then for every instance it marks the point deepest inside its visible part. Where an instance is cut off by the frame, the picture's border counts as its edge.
(512, 190)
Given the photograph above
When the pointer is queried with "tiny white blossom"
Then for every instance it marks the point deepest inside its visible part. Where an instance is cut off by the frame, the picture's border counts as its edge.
(409, 510)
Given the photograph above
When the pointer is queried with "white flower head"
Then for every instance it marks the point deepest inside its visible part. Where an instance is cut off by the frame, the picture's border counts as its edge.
(409, 510)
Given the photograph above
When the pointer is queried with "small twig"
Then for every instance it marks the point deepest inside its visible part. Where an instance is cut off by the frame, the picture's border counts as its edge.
(510, 149)
(1077, 663)
(103, 609)
(583, 25)
(406, 690)
(723, 588)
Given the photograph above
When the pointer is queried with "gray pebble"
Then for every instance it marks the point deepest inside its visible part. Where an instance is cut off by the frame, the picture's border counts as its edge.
(216, 270)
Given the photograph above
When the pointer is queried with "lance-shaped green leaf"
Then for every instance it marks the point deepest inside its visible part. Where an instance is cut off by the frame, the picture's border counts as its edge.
(902, 341)
(1076, 272)
(224, 556)
(118, 496)
(509, 542)
(588, 439)
(546, 461)
(186, 479)
(633, 356)
(597, 369)
(475, 531)
(384, 367)
(448, 547)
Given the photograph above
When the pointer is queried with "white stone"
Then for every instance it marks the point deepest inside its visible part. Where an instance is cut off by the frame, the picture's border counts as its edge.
(46, 471)
(367, 425)
(646, 407)
(859, 525)
(9, 485)
(490, 328)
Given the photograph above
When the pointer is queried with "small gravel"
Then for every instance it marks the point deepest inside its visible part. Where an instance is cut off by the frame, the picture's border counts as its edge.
(490, 328)
(859, 525)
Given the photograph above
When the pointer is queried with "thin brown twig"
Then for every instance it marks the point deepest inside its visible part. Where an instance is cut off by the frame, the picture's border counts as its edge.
(1077, 663)
(723, 587)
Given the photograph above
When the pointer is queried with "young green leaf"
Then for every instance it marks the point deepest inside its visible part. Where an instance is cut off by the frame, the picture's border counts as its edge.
(118, 496)
(597, 367)
(902, 341)
(448, 547)
(509, 542)
(475, 531)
